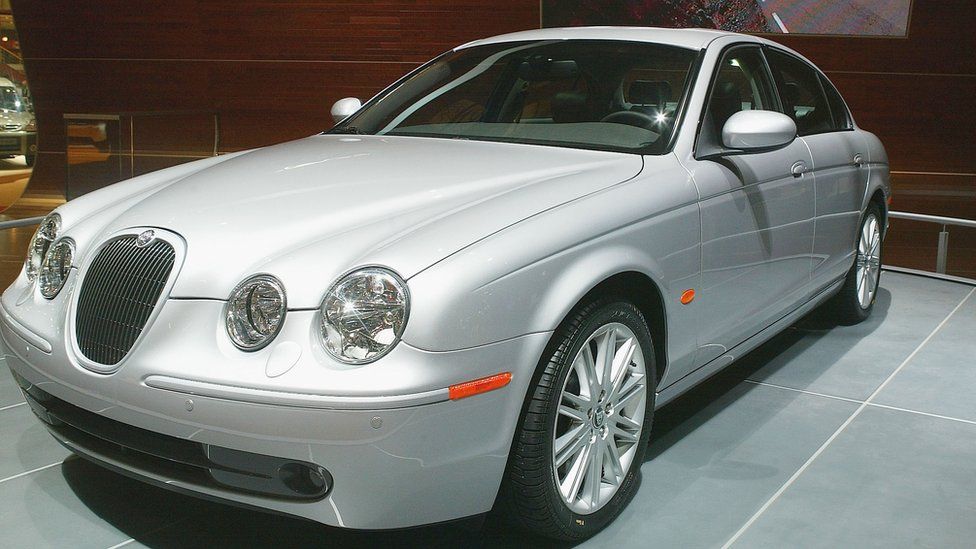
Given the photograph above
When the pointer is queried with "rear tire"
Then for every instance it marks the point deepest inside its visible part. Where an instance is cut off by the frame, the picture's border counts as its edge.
(577, 452)
(854, 302)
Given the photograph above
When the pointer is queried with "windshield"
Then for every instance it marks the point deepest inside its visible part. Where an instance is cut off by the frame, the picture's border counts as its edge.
(599, 94)
(10, 100)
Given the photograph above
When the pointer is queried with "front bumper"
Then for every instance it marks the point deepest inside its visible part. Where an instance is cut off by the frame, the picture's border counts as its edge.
(393, 460)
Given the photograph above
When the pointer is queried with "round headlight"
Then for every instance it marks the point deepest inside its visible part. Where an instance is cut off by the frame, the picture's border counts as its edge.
(56, 266)
(46, 233)
(255, 312)
(363, 315)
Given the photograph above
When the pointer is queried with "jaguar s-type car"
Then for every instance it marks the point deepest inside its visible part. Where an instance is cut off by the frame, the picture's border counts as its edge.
(471, 294)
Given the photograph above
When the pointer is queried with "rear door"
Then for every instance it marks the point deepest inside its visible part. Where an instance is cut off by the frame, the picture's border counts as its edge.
(824, 124)
(757, 214)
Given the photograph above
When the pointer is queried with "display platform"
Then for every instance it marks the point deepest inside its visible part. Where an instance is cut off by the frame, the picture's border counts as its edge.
(826, 436)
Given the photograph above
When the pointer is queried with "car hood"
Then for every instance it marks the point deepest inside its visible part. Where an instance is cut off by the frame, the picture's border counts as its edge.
(309, 210)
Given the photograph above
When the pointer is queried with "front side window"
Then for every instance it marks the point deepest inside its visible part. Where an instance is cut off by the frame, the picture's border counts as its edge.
(801, 93)
(741, 83)
(599, 94)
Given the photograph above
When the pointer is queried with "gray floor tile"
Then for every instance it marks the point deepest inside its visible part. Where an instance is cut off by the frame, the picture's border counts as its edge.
(852, 361)
(941, 378)
(714, 470)
(26, 444)
(40, 510)
(191, 522)
(891, 479)
(80, 505)
(9, 391)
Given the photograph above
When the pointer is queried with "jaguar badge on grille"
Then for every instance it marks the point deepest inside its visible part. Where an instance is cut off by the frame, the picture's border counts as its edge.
(145, 237)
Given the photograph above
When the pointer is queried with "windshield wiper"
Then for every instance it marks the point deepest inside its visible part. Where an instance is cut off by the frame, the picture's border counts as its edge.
(346, 130)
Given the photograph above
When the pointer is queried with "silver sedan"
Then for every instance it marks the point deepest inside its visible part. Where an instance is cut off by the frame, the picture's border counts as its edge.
(471, 294)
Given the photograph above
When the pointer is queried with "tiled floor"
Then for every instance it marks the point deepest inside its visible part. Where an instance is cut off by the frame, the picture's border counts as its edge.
(826, 436)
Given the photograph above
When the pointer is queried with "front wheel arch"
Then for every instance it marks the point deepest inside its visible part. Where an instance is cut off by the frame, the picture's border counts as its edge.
(545, 379)
(645, 294)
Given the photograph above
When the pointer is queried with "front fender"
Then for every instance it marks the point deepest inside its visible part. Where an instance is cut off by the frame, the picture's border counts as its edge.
(527, 278)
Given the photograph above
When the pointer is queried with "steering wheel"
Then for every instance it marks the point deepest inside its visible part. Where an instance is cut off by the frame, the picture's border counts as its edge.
(631, 118)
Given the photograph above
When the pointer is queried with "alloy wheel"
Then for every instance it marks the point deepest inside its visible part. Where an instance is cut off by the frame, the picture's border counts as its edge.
(868, 261)
(600, 418)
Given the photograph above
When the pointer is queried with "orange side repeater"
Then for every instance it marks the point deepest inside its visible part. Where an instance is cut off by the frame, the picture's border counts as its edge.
(688, 296)
(478, 386)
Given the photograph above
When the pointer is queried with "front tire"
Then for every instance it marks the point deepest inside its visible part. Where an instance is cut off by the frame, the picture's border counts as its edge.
(854, 302)
(578, 449)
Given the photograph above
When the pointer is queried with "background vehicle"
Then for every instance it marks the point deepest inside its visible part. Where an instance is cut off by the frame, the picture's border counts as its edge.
(18, 134)
(482, 283)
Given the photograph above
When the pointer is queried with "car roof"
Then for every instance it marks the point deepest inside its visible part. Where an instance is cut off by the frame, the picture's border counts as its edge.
(687, 38)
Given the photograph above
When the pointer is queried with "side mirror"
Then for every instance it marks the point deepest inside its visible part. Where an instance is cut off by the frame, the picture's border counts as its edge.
(344, 108)
(757, 130)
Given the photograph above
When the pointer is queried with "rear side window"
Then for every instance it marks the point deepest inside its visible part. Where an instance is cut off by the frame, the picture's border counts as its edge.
(801, 93)
(838, 109)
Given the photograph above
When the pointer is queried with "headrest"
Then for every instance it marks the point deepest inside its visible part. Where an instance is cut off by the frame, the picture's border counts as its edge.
(568, 106)
(791, 92)
(649, 92)
(726, 90)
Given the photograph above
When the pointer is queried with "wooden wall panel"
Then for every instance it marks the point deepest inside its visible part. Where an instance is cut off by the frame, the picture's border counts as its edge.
(925, 123)
(272, 69)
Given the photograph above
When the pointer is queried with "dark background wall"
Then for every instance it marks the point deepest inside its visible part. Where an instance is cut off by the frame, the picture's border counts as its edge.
(272, 69)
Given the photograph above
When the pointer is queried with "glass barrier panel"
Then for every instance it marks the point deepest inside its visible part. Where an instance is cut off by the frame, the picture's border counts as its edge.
(94, 152)
(961, 259)
(106, 149)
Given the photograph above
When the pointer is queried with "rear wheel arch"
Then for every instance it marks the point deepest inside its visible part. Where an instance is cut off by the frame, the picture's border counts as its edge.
(878, 198)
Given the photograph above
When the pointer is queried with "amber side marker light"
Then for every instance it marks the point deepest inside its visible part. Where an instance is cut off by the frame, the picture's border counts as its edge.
(478, 386)
(687, 297)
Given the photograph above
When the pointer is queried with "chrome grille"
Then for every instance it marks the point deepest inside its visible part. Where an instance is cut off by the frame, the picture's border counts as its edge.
(118, 294)
(11, 127)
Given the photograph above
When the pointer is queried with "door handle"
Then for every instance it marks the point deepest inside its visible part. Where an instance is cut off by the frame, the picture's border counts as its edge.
(799, 168)
(858, 160)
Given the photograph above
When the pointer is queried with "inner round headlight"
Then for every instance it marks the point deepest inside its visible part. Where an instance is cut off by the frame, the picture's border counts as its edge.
(56, 266)
(255, 312)
(363, 315)
(45, 235)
